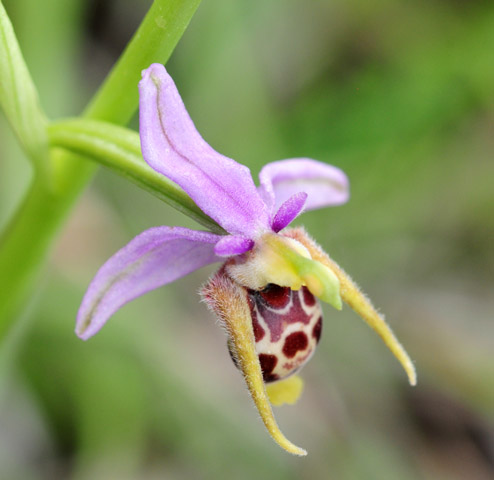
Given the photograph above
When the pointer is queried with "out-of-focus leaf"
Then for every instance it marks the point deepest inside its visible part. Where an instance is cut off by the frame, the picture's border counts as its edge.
(19, 98)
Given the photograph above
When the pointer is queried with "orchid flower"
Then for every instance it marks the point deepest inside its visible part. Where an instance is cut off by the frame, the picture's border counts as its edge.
(265, 292)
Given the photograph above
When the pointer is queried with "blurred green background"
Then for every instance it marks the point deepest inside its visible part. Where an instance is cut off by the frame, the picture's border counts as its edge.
(398, 94)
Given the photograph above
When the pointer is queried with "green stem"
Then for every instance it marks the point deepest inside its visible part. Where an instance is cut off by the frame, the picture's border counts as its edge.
(27, 240)
(119, 149)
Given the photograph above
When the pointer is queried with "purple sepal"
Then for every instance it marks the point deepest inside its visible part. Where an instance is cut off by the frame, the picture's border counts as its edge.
(154, 258)
(233, 245)
(221, 187)
(289, 211)
(324, 184)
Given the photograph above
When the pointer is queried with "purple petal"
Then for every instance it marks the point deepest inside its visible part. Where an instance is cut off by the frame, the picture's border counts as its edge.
(288, 211)
(233, 245)
(222, 188)
(154, 258)
(324, 184)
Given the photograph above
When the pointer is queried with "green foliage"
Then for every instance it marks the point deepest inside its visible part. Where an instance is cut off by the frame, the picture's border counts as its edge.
(19, 98)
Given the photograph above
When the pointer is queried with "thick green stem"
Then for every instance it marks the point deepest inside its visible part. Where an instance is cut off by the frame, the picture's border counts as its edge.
(28, 238)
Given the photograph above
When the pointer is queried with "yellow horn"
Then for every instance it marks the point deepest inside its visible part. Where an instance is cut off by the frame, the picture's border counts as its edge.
(354, 298)
(228, 301)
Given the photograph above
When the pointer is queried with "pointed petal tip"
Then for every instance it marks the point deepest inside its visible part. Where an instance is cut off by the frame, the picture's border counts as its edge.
(82, 335)
(411, 372)
(84, 328)
(82, 325)
(156, 68)
(294, 450)
(338, 304)
(289, 211)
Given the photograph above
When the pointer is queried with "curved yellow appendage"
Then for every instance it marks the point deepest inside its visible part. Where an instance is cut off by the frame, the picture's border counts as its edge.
(354, 298)
(228, 300)
(285, 391)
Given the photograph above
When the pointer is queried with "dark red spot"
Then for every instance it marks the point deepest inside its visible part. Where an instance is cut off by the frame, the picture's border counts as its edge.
(316, 331)
(294, 342)
(258, 330)
(294, 365)
(268, 363)
(277, 322)
(275, 296)
(309, 299)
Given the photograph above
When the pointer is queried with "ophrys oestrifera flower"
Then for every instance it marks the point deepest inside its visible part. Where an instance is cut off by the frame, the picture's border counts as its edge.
(267, 289)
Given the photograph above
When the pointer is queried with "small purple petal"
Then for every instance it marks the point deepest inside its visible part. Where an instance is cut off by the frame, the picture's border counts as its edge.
(324, 184)
(288, 211)
(154, 258)
(233, 245)
(221, 187)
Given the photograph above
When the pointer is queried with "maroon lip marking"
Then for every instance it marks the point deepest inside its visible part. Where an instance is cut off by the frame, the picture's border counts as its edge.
(272, 377)
(294, 365)
(268, 363)
(258, 330)
(275, 296)
(275, 321)
(274, 309)
(316, 331)
(309, 299)
(294, 342)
